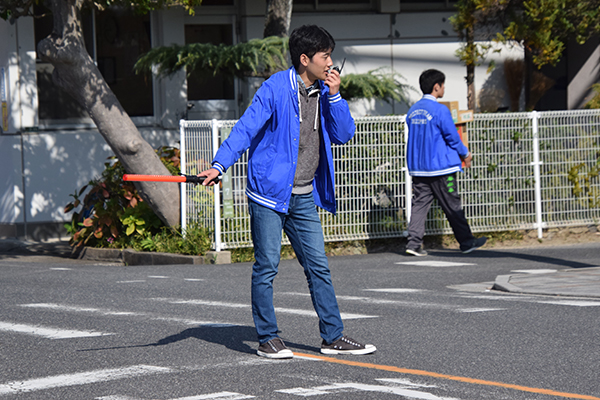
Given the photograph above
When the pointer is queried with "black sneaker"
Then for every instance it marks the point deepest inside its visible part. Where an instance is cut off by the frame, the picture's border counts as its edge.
(346, 345)
(419, 252)
(477, 243)
(274, 348)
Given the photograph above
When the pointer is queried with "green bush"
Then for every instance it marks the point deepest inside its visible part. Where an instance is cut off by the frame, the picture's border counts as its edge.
(595, 101)
(108, 212)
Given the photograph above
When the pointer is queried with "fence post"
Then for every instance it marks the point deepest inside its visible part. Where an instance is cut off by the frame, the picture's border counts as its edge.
(182, 187)
(407, 181)
(536, 173)
(216, 188)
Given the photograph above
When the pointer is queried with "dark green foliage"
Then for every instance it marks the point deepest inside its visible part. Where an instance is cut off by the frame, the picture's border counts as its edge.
(262, 58)
(258, 57)
(112, 214)
(374, 85)
(542, 27)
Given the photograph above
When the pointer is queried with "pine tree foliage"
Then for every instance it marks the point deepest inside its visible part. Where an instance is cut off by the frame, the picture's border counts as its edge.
(257, 57)
(376, 84)
(262, 58)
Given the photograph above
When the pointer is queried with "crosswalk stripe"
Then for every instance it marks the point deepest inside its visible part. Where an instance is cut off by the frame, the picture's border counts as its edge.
(81, 378)
(574, 303)
(404, 303)
(219, 395)
(282, 310)
(50, 333)
(100, 311)
(394, 290)
(435, 264)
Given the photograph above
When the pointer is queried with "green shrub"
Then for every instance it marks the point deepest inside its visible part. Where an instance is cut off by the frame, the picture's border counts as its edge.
(595, 101)
(113, 215)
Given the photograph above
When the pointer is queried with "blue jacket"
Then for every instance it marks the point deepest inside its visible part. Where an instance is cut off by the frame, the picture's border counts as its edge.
(434, 146)
(270, 129)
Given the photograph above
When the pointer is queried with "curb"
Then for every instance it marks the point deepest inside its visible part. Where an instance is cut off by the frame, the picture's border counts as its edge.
(503, 284)
(132, 257)
(583, 282)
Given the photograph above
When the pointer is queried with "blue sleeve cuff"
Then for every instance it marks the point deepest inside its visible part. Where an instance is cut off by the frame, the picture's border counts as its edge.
(218, 167)
(334, 98)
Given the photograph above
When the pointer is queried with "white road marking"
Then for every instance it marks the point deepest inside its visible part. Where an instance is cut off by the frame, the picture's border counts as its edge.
(49, 333)
(346, 387)
(192, 279)
(435, 264)
(400, 303)
(575, 303)
(219, 395)
(293, 311)
(537, 300)
(61, 307)
(90, 310)
(158, 277)
(405, 382)
(534, 271)
(117, 397)
(81, 378)
(61, 269)
(394, 290)
(474, 310)
(202, 303)
(135, 281)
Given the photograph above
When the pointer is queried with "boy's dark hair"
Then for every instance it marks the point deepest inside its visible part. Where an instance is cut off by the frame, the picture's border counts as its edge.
(429, 78)
(309, 40)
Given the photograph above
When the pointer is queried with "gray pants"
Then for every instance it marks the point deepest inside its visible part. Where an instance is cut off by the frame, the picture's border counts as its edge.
(445, 190)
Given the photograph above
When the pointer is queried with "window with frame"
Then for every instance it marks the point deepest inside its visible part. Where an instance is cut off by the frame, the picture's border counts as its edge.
(205, 85)
(331, 5)
(114, 38)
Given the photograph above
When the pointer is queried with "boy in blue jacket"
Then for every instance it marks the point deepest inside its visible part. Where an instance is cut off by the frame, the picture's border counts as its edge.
(288, 129)
(434, 154)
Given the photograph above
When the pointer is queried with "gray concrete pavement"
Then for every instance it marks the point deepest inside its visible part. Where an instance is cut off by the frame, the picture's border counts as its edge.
(579, 282)
(576, 282)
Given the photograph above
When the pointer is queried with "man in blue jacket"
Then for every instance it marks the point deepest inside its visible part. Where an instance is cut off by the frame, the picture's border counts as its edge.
(434, 154)
(288, 129)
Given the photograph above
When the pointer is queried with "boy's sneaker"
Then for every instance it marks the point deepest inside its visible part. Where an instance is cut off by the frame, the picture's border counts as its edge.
(419, 252)
(346, 345)
(274, 348)
(477, 243)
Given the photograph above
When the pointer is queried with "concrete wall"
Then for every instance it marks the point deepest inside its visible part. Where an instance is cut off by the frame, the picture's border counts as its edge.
(54, 166)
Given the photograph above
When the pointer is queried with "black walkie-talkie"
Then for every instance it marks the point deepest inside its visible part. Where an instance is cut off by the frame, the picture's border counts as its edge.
(339, 69)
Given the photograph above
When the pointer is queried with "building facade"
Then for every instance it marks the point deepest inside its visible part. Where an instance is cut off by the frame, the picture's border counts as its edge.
(49, 147)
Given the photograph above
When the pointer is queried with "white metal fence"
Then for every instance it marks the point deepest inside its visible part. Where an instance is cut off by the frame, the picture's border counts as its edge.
(530, 171)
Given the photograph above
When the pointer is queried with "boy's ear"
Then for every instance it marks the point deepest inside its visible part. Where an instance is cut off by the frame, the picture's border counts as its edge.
(304, 59)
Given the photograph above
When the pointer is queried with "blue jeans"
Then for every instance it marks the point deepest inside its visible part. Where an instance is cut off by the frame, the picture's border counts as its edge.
(303, 227)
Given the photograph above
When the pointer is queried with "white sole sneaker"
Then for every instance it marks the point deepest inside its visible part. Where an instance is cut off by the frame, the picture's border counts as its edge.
(281, 354)
(369, 348)
(417, 253)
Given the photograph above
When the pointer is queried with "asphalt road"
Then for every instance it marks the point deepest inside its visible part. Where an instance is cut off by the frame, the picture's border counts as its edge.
(84, 330)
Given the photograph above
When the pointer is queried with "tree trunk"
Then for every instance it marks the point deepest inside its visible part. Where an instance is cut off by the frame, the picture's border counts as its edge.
(527, 79)
(471, 96)
(279, 16)
(76, 73)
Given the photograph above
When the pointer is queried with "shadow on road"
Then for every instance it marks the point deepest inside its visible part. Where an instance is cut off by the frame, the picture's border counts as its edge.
(488, 254)
(234, 337)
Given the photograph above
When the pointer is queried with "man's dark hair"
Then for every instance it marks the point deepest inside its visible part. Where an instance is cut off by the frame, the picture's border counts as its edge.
(429, 78)
(309, 40)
